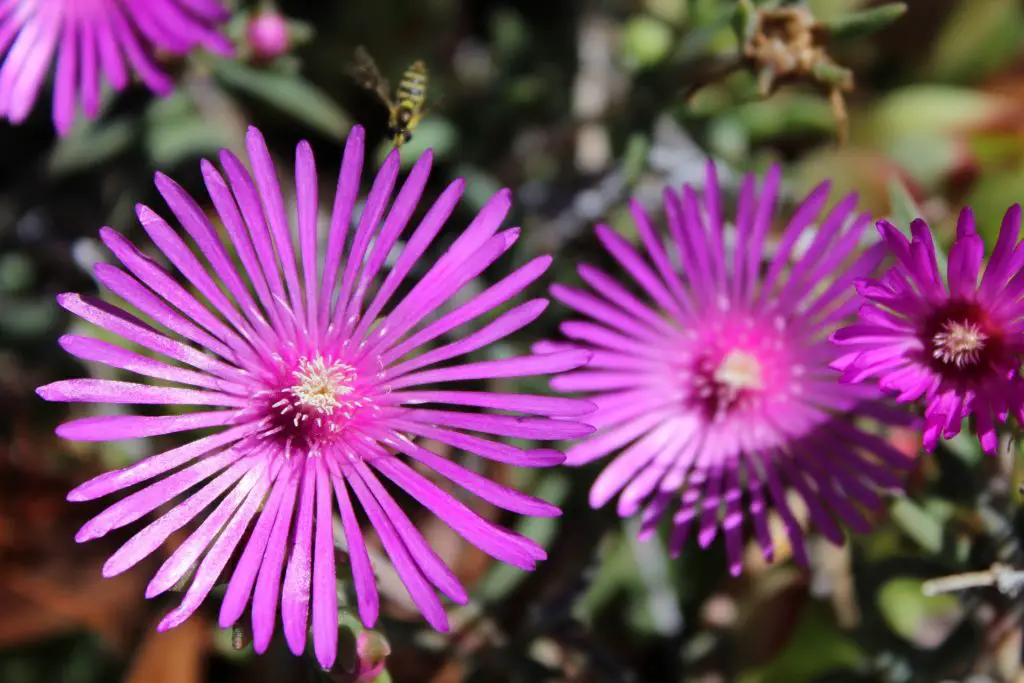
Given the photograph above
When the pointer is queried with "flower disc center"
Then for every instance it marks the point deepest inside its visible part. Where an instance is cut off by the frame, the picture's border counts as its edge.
(733, 382)
(316, 407)
(319, 387)
(959, 343)
(740, 370)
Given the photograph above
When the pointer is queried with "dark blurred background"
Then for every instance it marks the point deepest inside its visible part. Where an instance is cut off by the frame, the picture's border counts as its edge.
(575, 106)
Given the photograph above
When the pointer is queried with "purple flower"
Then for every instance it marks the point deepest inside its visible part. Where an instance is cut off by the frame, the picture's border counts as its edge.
(957, 347)
(316, 380)
(719, 385)
(94, 39)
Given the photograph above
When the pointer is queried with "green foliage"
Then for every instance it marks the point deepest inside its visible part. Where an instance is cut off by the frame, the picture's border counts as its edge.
(289, 93)
(817, 647)
(864, 23)
(906, 610)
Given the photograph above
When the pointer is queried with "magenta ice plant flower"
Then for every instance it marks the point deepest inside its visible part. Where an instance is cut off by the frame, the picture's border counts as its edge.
(95, 40)
(711, 370)
(315, 379)
(955, 346)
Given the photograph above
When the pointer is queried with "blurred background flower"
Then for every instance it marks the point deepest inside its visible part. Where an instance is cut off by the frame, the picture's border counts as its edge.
(716, 405)
(94, 44)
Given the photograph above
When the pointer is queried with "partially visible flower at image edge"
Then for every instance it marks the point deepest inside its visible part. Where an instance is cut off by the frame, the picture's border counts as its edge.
(715, 394)
(957, 348)
(317, 386)
(94, 40)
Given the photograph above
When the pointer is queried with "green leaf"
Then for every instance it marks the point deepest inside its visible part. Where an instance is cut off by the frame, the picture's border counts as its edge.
(904, 209)
(827, 11)
(634, 159)
(744, 20)
(907, 610)
(647, 41)
(672, 11)
(816, 646)
(480, 185)
(922, 127)
(932, 110)
(91, 145)
(991, 196)
(615, 572)
(860, 24)
(290, 94)
(176, 141)
(977, 38)
(509, 34)
(500, 580)
(176, 131)
(17, 272)
(26, 318)
(917, 524)
(965, 446)
(929, 159)
(792, 113)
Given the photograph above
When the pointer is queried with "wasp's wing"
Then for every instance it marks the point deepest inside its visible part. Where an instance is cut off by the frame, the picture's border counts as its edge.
(365, 72)
(436, 104)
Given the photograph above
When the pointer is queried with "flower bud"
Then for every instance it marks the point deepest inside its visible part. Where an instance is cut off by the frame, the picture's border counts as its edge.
(267, 34)
(372, 650)
(362, 654)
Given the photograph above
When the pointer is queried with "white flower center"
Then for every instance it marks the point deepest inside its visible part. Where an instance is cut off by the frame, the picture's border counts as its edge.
(959, 343)
(319, 386)
(739, 370)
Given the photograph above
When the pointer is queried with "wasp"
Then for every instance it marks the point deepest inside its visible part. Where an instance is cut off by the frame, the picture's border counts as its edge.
(407, 110)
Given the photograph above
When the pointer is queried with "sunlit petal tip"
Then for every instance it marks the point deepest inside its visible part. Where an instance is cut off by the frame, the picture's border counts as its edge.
(173, 619)
(78, 495)
(113, 567)
(89, 532)
(885, 226)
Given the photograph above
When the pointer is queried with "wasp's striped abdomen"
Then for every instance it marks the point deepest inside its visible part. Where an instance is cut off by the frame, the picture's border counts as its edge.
(412, 89)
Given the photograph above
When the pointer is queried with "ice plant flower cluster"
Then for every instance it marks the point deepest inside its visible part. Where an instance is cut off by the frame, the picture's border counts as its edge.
(956, 347)
(718, 385)
(316, 379)
(94, 40)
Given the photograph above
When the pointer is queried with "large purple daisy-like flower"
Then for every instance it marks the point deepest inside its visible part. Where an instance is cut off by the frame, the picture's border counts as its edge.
(94, 39)
(722, 387)
(958, 347)
(315, 382)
